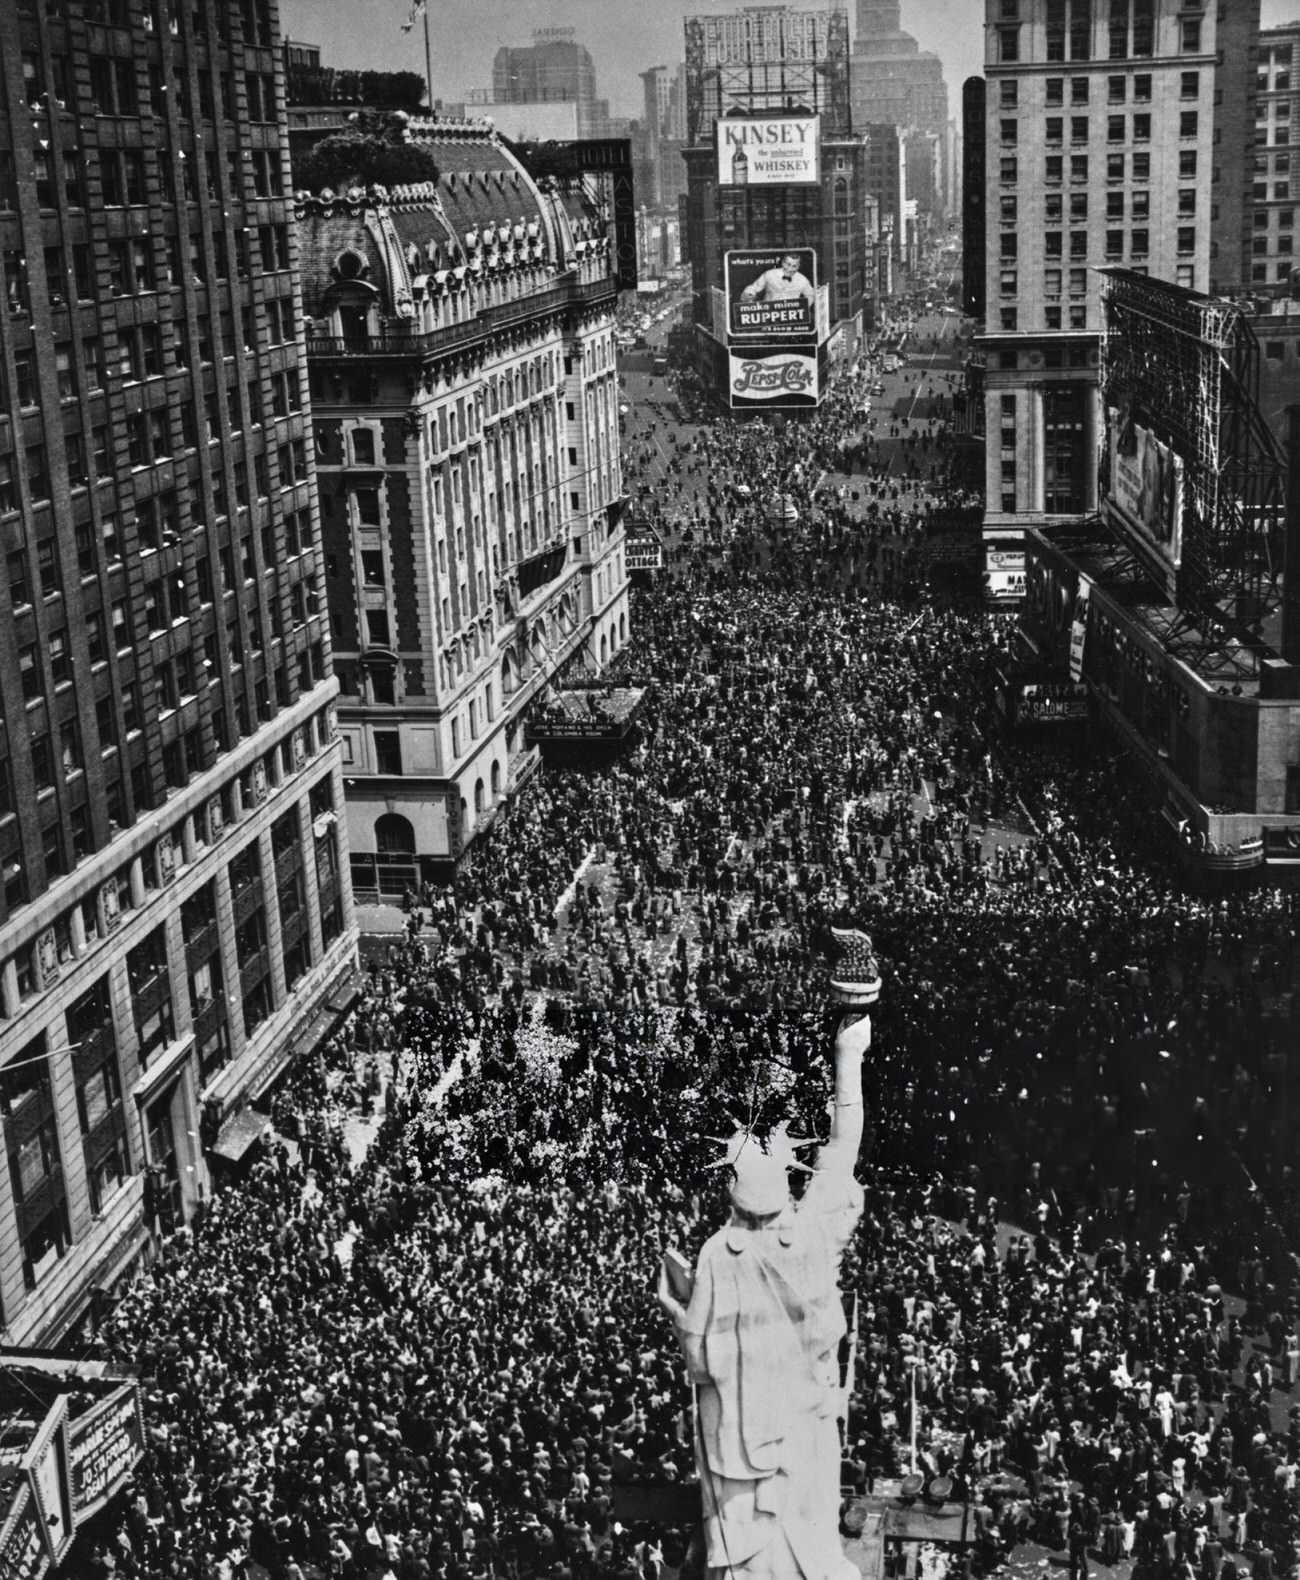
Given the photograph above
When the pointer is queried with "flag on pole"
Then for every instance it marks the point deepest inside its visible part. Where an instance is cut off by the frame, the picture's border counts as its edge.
(417, 11)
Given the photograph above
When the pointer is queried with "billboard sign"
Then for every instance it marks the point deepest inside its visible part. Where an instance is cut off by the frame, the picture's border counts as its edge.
(1004, 575)
(23, 1553)
(1052, 702)
(772, 378)
(104, 1445)
(1079, 629)
(1147, 490)
(768, 150)
(771, 293)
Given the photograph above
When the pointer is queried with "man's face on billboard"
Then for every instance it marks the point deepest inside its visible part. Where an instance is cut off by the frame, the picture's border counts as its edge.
(790, 265)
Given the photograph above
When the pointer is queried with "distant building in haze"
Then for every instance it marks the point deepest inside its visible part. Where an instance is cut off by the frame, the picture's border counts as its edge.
(896, 83)
(553, 67)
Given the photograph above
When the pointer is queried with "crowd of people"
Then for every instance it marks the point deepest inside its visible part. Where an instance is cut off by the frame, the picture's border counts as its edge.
(443, 1358)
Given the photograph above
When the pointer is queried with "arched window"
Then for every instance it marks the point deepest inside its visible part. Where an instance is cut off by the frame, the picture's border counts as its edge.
(622, 629)
(604, 651)
(478, 796)
(507, 675)
(496, 780)
(394, 835)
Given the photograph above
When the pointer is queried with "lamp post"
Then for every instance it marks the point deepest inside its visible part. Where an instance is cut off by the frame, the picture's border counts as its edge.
(913, 1362)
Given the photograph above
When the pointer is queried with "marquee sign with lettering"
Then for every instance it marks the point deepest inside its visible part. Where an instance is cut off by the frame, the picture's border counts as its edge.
(773, 378)
(23, 1552)
(104, 1446)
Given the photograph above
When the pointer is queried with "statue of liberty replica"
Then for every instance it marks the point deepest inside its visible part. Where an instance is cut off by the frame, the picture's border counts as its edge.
(760, 1322)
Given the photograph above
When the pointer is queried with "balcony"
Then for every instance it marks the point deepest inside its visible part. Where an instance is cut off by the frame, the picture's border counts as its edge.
(450, 337)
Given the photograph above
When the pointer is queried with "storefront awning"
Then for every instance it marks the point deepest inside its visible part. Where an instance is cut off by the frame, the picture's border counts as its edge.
(346, 991)
(239, 1132)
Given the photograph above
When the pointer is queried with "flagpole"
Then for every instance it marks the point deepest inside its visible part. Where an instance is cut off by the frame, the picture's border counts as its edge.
(428, 62)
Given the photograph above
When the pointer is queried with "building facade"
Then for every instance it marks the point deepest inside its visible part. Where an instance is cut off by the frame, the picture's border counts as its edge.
(1115, 137)
(461, 349)
(661, 137)
(1275, 188)
(755, 78)
(553, 68)
(896, 83)
(886, 181)
(175, 915)
(1164, 620)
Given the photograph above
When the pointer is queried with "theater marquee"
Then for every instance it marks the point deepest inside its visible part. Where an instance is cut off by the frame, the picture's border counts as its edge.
(768, 150)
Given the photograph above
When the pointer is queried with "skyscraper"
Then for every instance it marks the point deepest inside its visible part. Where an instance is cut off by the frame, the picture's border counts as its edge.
(175, 915)
(554, 67)
(1113, 137)
(893, 82)
(1276, 184)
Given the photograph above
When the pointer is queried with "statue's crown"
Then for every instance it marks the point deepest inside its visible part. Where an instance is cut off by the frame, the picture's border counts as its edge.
(760, 1169)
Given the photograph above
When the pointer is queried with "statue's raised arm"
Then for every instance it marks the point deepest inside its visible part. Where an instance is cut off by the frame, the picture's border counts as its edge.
(760, 1324)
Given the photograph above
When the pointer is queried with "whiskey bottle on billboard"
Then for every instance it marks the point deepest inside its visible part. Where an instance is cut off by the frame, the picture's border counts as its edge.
(739, 168)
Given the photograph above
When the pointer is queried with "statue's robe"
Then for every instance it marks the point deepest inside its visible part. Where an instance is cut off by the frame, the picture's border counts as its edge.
(762, 1336)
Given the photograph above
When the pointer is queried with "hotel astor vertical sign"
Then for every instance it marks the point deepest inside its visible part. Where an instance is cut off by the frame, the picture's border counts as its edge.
(768, 150)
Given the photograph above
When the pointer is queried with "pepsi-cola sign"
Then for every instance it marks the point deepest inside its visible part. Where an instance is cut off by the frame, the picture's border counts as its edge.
(772, 379)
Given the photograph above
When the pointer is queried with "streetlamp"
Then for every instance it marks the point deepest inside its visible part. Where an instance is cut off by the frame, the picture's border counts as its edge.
(913, 1363)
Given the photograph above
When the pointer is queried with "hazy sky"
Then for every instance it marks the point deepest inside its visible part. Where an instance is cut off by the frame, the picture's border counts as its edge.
(624, 36)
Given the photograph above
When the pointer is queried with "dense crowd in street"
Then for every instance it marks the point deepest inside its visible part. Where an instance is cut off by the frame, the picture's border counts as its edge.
(445, 1360)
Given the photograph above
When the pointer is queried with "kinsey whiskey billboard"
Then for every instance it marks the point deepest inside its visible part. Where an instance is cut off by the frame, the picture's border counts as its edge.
(767, 150)
(773, 378)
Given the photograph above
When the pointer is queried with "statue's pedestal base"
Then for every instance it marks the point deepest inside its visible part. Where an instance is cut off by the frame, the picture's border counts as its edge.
(867, 1552)
(925, 1534)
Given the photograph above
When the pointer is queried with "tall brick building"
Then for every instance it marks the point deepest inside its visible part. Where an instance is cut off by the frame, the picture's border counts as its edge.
(175, 916)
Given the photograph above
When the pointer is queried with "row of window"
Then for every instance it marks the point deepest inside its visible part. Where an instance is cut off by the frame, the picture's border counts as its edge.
(1119, 128)
(99, 914)
(132, 268)
(255, 15)
(1138, 242)
(90, 458)
(1137, 204)
(1189, 87)
(117, 88)
(1072, 31)
(1119, 167)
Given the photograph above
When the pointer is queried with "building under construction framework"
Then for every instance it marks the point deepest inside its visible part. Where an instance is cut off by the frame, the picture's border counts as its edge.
(1169, 619)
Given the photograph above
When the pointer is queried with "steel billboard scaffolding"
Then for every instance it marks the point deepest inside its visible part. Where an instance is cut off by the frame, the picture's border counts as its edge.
(767, 58)
(1186, 366)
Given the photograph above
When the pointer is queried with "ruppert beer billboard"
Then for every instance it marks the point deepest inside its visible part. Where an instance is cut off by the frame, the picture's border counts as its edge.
(772, 293)
(772, 378)
(767, 150)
